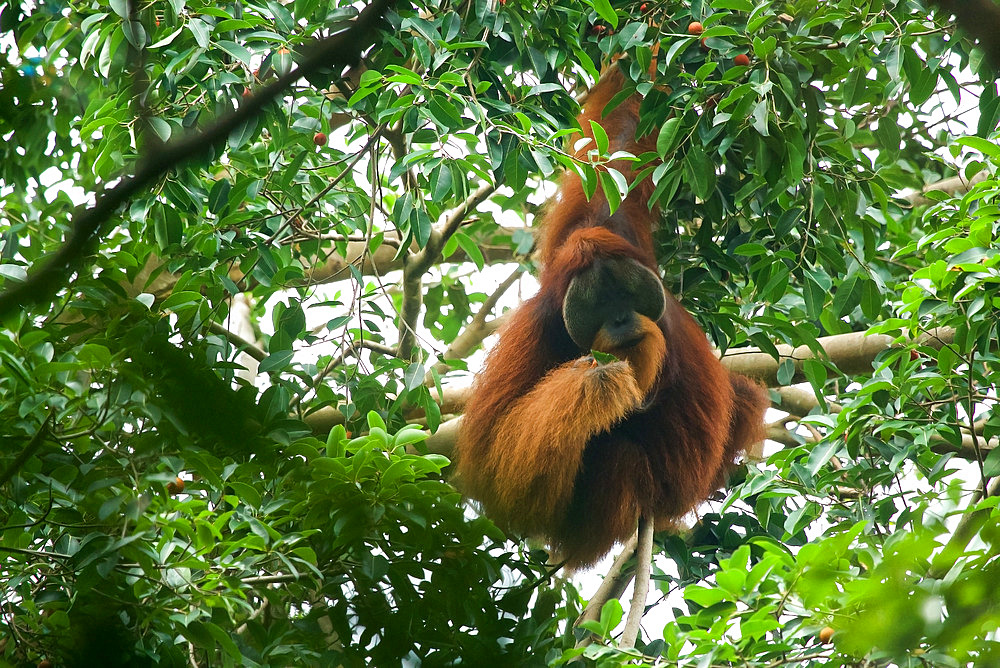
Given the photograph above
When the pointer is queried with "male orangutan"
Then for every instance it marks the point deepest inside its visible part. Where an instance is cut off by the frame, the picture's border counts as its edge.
(558, 445)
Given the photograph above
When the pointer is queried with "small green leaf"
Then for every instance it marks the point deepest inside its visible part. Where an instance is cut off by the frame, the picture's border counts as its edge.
(700, 171)
(218, 196)
(609, 185)
(704, 596)
(135, 34)
(786, 372)
(984, 146)
(471, 249)
(605, 11)
(237, 51)
(600, 137)
(276, 361)
(666, 141)
(242, 135)
(247, 493)
(200, 31)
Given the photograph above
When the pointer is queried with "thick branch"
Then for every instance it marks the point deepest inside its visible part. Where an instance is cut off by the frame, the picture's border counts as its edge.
(341, 49)
(852, 353)
(248, 347)
(954, 185)
(385, 259)
(409, 311)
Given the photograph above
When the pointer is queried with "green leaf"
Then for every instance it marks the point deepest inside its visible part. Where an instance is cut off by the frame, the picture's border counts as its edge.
(120, 7)
(218, 196)
(237, 51)
(786, 372)
(991, 465)
(704, 596)
(200, 31)
(871, 300)
(611, 182)
(847, 296)
(700, 171)
(600, 137)
(605, 11)
(736, 5)
(985, 146)
(471, 249)
(276, 361)
(666, 141)
(160, 127)
(246, 493)
(242, 135)
(135, 34)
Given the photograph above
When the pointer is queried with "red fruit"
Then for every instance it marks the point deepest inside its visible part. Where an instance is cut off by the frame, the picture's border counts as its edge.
(643, 8)
(825, 634)
(45, 663)
(914, 355)
(598, 29)
(176, 486)
(704, 44)
(695, 28)
(742, 59)
(319, 139)
(246, 92)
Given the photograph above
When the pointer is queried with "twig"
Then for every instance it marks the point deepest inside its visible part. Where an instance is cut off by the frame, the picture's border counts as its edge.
(250, 348)
(35, 553)
(29, 450)
(643, 559)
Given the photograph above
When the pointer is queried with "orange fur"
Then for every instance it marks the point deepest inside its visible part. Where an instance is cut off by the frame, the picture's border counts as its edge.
(549, 427)
(645, 358)
(557, 446)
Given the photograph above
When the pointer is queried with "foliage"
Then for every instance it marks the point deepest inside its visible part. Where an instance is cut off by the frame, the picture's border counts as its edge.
(292, 543)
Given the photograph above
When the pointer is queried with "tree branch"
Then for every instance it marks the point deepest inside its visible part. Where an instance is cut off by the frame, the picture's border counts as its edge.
(612, 586)
(342, 49)
(417, 264)
(952, 186)
(248, 347)
(479, 328)
(852, 353)
(643, 565)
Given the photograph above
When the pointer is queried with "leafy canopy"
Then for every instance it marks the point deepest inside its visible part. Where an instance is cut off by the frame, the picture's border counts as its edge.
(293, 542)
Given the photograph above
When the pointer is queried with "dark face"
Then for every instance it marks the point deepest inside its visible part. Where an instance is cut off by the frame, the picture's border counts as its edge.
(611, 295)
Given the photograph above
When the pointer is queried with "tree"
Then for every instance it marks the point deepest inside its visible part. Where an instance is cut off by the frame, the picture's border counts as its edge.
(226, 338)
